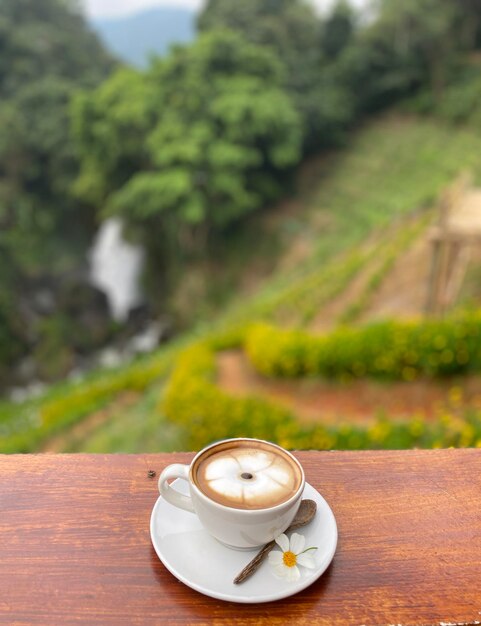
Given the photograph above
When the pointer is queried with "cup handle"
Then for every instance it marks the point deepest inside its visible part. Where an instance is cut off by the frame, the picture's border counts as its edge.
(177, 470)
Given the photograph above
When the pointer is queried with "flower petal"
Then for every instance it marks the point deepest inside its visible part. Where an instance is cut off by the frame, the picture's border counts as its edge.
(306, 560)
(275, 557)
(281, 571)
(297, 543)
(283, 542)
(293, 573)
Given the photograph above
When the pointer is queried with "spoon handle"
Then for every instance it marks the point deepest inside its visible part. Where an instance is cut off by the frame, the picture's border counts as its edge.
(251, 567)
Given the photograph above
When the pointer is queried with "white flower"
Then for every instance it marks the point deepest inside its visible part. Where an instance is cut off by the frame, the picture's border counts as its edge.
(293, 554)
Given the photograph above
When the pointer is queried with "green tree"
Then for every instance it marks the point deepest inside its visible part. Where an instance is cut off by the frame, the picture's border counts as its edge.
(410, 45)
(338, 29)
(212, 136)
(110, 126)
(292, 30)
(47, 37)
(46, 52)
(422, 38)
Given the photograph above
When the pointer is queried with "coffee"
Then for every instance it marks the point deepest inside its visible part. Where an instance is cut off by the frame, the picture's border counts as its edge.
(243, 474)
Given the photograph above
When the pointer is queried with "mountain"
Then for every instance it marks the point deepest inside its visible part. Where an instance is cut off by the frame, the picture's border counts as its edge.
(134, 38)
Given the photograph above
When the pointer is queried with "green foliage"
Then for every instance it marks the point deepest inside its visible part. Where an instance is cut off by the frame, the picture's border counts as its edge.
(386, 350)
(135, 428)
(46, 52)
(289, 27)
(421, 38)
(460, 101)
(410, 45)
(338, 29)
(468, 23)
(41, 37)
(206, 414)
(11, 343)
(52, 354)
(295, 34)
(340, 66)
(202, 138)
(110, 127)
(25, 428)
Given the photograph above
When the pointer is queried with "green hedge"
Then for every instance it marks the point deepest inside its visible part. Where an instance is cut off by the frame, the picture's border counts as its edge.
(386, 350)
(205, 413)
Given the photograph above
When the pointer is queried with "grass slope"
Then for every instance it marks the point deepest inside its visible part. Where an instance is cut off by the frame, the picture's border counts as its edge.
(393, 168)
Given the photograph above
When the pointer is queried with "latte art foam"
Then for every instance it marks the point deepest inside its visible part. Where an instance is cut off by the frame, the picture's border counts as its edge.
(248, 477)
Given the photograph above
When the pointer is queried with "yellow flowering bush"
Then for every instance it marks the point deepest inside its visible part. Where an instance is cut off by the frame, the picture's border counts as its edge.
(205, 413)
(389, 349)
(228, 338)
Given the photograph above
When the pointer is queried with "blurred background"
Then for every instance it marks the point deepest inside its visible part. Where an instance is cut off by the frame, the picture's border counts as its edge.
(239, 218)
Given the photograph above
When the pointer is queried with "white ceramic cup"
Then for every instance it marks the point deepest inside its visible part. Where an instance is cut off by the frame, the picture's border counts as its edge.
(242, 529)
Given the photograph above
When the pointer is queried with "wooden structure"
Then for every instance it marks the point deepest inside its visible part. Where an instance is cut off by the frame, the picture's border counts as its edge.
(75, 545)
(452, 239)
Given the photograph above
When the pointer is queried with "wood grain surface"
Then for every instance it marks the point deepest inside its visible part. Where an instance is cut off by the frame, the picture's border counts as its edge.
(75, 545)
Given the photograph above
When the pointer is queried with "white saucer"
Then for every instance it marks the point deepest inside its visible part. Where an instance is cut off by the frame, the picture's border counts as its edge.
(202, 563)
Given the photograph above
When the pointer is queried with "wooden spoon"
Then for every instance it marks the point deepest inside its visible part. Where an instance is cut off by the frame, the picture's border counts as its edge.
(304, 515)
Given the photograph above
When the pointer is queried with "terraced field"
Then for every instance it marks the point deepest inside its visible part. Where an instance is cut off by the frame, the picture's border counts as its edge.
(358, 218)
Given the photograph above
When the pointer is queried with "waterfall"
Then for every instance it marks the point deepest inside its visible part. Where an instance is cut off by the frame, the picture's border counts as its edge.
(115, 268)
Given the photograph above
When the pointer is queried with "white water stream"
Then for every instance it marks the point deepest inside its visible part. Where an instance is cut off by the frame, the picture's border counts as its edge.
(115, 268)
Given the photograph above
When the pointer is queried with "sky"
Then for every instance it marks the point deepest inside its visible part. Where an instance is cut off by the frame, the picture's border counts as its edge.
(115, 8)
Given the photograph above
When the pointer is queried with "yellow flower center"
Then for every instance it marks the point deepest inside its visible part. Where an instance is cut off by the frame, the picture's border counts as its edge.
(289, 558)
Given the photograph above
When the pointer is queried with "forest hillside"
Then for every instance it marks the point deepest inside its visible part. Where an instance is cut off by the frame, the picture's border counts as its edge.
(279, 184)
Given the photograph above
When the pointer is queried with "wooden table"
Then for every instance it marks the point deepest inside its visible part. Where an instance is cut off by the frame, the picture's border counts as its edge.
(75, 545)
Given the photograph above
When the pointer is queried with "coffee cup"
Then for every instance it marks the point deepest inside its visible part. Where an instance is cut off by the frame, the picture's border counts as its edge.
(245, 492)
